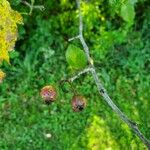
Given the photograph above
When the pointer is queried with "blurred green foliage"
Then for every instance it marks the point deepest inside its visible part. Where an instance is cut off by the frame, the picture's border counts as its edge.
(117, 33)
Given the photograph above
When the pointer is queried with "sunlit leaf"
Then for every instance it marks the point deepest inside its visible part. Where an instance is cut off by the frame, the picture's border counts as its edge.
(75, 57)
(128, 12)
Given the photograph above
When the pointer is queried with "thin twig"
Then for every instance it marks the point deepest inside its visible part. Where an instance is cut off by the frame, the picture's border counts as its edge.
(40, 7)
(101, 89)
(32, 6)
(86, 70)
(76, 37)
(26, 3)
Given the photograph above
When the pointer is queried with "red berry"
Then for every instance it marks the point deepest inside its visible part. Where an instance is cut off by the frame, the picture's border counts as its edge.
(49, 94)
(78, 103)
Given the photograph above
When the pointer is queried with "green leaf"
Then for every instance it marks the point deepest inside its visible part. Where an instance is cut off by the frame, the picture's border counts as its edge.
(133, 1)
(75, 57)
(128, 12)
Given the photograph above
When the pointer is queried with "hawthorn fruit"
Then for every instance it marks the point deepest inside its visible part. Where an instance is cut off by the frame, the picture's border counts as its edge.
(78, 103)
(48, 93)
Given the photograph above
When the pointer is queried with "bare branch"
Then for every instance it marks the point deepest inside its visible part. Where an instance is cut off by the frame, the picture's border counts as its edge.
(26, 3)
(86, 70)
(32, 6)
(40, 7)
(101, 89)
(81, 32)
(73, 38)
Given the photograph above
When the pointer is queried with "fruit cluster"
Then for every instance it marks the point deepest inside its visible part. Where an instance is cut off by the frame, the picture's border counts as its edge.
(49, 95)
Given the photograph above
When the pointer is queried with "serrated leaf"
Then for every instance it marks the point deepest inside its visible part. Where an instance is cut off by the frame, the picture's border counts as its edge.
(75, 57)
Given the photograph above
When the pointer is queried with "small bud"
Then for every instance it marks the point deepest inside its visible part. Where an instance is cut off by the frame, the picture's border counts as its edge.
(2, 76)
(49, 94)
(78, 103)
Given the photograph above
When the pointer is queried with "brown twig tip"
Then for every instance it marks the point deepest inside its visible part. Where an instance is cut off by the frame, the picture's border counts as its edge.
(101, 89)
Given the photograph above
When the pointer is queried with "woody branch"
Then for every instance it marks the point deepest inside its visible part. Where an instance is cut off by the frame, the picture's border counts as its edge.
(102, 91)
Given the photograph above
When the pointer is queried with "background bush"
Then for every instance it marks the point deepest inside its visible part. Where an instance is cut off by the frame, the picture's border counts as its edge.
(117, 33)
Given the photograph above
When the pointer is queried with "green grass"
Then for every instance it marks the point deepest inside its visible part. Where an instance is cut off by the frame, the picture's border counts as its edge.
(39, 60)
(25, 119)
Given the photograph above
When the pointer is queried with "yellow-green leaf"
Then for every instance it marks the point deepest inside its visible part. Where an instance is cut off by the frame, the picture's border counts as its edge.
(128, 12)
(76, 57)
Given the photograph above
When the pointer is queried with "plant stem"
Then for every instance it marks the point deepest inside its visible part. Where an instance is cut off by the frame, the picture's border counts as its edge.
(32, 6)
(101, 89)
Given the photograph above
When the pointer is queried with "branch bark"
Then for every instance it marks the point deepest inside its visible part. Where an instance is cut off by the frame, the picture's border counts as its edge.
(102, 91)
(32, 6)
(86, 70)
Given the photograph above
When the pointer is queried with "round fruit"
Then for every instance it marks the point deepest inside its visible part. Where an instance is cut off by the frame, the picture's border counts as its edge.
(49, 94)
(78, 103)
